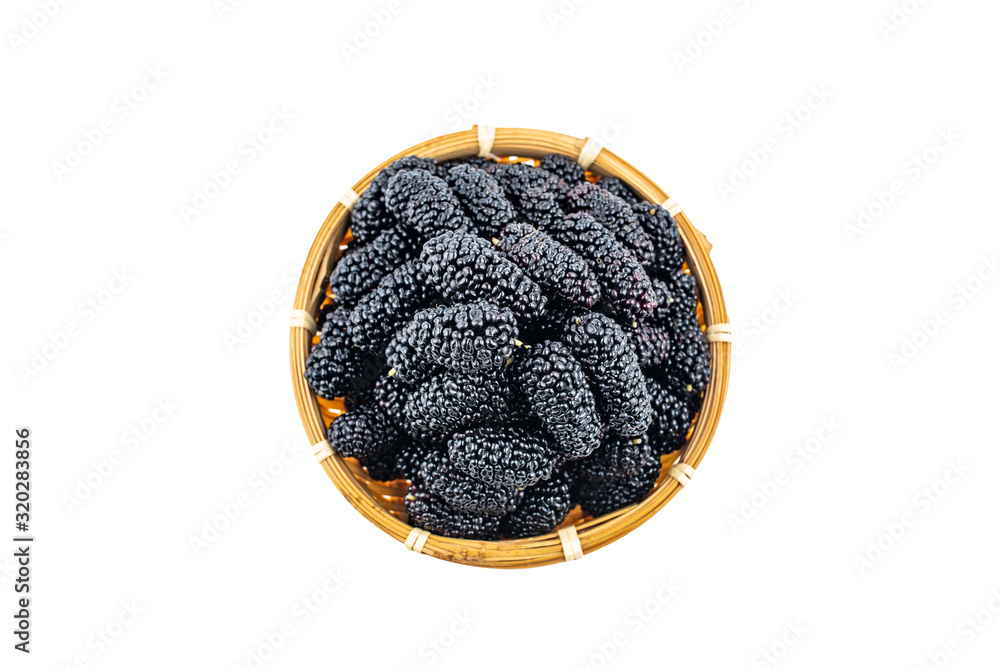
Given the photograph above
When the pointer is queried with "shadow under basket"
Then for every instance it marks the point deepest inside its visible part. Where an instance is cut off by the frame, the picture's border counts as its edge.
(381, 502)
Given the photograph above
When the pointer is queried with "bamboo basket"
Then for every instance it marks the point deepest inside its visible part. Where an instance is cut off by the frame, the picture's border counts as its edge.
(381, 503)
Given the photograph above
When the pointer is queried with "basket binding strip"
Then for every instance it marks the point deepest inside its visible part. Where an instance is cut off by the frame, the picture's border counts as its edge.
(303, 319)
(372, 499)
(588, 154)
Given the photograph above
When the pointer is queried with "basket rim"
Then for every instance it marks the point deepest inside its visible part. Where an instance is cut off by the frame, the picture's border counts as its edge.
(594, 533)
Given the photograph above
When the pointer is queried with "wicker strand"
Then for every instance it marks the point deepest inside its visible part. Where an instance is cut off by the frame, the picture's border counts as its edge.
(322, 450)
(487, 135)
(416, 540)
(681, 472)
(349, 199)
(570, 539)
(672, 206)
(588, 154)
(304, 320)
(720, 331)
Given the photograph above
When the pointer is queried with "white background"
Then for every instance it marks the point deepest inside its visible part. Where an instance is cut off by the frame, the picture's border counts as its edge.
(847, 303)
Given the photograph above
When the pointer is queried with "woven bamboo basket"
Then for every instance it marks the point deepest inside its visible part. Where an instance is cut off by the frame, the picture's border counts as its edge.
(382, 503)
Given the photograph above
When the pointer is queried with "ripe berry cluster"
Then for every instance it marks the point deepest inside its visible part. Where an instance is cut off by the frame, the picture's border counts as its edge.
(533, 336)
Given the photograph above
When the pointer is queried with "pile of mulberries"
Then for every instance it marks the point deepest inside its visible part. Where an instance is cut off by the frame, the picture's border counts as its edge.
(513, 340)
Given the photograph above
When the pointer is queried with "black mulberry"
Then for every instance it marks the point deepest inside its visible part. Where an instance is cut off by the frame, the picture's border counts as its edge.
(433, 514)
(615, 214)
(391, 394)
(358, 272)
(516, 178)
(540, 208)
(464, 492)
(339, 314)
(556, 387)
(672, 415)
(604, 350)
(662, 230)
(543, 508)
(399, 463)
(553, 265)
(690, 356)
(664, 300)
(651, 344)
(465, 337)
(618, 188)
(424, 203)
(601, 498)
(390, 305)
(553, 325)
(684, 290)
(450, 401)
(564, 168)
(406, 365)
(483, 198)
(335, 367)
(506, 456)
(618, 457)
(363, 433)
(625, 286)
(370, 216)
(467, 268)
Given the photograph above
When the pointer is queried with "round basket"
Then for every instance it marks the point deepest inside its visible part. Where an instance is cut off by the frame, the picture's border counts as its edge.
(382, 503)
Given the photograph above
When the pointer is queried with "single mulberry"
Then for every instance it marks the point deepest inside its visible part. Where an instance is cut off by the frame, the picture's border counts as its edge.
(467, 337)
(506, 456)
(684, 290)
(389, 306)
(615, 214)
(410, 457)
(451, 401)
(543, 508)
(600, 498)
(391, 394)
(437, 516)
(625, 286)
(551, 264)
(553, 326)
(401, 462)
(556, 387)
(369, 218)
(339, 314)
(672, 415)
(464, 492)
(606, 354)
(381, 466)
(651, 344)
(405, 364)
(424, 203)
(483, 198)
(690, 356)
(517, 177)
(663, 232)
(335, 368)
(540, 208)
(467, 268)
(664, 300)
(618, 188)
(363, 433)
(618, 457)
(566, 169)
(357, 273)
